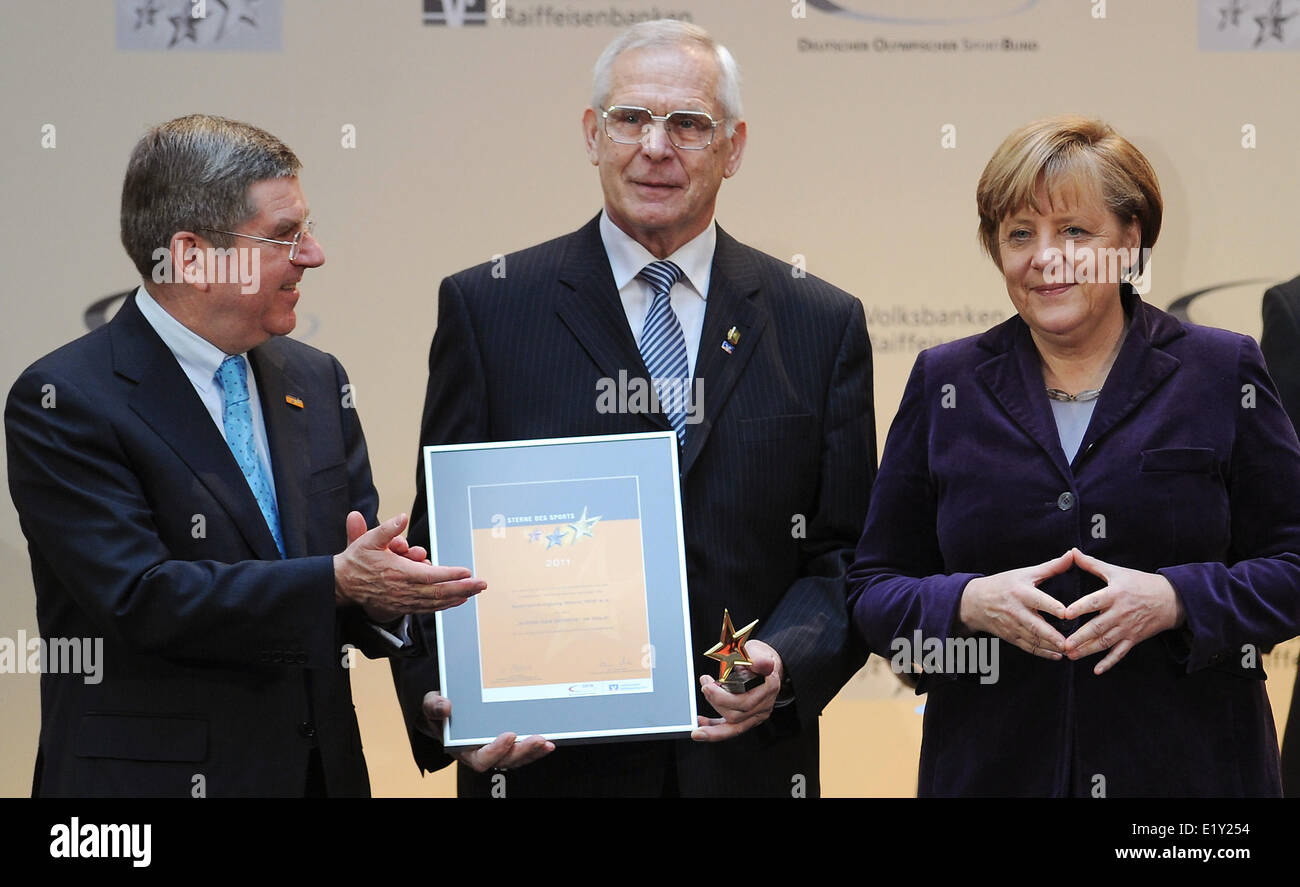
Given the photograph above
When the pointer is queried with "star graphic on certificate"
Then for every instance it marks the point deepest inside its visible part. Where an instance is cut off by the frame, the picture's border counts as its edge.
(1273, 19)
(535, 536)
(730, 649)
(582, 527)
(556, 539)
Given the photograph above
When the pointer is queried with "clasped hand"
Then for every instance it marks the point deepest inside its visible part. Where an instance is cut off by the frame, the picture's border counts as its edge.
(1131, 607)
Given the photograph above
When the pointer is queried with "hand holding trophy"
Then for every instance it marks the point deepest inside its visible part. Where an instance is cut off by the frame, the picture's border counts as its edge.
(730, 652)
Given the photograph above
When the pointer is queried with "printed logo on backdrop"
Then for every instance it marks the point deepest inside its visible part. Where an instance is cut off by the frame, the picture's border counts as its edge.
(455, 13)
(910, 329)
(522, 14)
(200, 25)
(1249, 292)
(1248, 25)
(923, 12)
(931, 15)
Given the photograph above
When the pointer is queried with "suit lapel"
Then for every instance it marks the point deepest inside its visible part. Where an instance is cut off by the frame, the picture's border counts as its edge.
(732, 302)
(1015, 379)
(166, 401)
(287, 439)
(1140, 368)
(591, 308)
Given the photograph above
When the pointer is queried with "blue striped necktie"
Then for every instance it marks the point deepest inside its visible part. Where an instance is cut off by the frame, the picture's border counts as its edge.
(663, 347)
(237, 418)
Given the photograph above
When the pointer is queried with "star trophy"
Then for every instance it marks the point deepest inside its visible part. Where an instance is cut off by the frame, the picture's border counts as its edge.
(730, 652)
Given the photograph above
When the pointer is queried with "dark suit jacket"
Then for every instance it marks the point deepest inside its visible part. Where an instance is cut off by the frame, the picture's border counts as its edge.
(220, 660)
(1281, 346)
(1189, 468)
(787, 439)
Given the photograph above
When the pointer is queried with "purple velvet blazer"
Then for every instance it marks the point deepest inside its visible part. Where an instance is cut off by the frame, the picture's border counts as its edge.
(1189, 468)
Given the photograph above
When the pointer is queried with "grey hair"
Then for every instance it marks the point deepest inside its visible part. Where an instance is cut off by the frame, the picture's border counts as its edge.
(666, 32)
(193, 173)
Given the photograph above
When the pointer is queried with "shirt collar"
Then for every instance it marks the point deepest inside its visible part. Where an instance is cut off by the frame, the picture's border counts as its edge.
(627, 257)
(191, 350)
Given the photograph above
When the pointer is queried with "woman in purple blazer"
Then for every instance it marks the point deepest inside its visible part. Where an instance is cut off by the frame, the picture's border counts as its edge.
(1084, 532)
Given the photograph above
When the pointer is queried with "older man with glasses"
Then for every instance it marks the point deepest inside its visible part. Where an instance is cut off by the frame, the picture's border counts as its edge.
(763, 373)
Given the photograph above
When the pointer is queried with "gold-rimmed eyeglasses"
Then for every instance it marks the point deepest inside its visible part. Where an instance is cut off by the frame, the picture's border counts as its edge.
(293, 245)
(688, 130)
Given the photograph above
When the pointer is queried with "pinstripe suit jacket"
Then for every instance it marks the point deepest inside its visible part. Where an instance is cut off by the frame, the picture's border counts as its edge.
(786, 442)
(1280, 343)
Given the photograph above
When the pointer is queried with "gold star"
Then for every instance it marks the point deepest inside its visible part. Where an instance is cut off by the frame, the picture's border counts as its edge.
(583, 525)
(730, 649)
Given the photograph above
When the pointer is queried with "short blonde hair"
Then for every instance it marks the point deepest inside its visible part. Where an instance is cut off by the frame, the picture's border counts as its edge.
(1068, 151)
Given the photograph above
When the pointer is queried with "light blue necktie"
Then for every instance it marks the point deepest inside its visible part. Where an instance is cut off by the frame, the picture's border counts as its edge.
(663, 347)
(237, 418)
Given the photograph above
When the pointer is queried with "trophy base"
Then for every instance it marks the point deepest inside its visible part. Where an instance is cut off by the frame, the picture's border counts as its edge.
(742, 685)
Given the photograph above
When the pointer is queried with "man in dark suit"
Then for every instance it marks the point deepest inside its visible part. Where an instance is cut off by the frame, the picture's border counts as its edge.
(1281, 346)
(195, 492)
(778, 443)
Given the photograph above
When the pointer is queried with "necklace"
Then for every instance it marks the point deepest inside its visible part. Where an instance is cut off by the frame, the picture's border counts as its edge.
(1066, 397)
(1091, 393)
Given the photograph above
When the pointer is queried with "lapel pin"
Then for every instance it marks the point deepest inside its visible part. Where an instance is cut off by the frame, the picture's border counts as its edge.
(733, 339)
(293, 401)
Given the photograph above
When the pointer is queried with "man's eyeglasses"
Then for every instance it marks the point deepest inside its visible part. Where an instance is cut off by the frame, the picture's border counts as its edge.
(292, 244)
(688, 130)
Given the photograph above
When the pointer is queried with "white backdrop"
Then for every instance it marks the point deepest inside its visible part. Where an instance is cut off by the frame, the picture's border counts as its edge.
(467, 144)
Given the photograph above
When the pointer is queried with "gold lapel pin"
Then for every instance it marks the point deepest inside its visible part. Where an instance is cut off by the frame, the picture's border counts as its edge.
(733, 336)
(293, 401)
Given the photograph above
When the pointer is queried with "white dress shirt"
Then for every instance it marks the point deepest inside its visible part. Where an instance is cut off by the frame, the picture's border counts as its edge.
(200, 359)
(689, 296)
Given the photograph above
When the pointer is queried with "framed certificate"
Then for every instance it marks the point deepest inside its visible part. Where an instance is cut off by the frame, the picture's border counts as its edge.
(583, 632)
